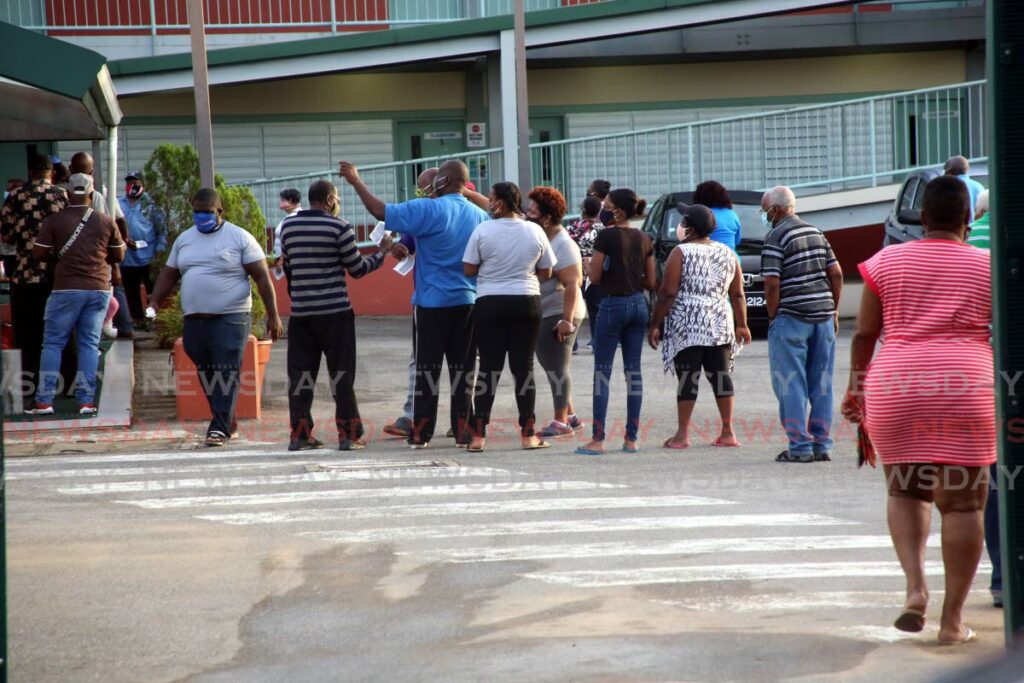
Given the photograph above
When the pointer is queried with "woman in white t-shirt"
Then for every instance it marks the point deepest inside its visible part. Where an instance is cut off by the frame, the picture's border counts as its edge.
(509, 256)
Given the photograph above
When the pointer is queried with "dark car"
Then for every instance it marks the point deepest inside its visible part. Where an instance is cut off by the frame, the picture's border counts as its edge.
(663, 219)
(903, 223)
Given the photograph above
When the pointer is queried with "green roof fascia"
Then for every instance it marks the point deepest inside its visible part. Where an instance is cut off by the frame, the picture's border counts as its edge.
(397, 36)
(47, 63)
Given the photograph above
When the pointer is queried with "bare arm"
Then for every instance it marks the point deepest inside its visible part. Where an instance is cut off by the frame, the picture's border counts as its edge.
(862, 349)
(596, 267)
(650, 274)
(544, 273)
(739, 304)
(835, 282)
(476, 198)
(260, 274)
(374, 205)
(165, 283)
(667, 295)
(772, 289)
(470, 269)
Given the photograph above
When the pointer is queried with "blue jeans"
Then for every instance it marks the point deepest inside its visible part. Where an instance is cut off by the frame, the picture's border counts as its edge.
(620, 320)
(216, 345)
(83, 311)
(122, 319)
(802, 356)
(992, 540)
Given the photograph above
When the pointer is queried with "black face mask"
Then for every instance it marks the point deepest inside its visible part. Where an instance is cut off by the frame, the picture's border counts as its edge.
(606, 217)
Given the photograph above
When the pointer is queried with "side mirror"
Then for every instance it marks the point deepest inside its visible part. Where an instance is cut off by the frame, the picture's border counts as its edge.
(909, 217)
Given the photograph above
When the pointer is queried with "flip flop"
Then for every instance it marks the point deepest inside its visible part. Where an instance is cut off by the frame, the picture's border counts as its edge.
(968, 637)
(470, 449)
(910, 620)
(631, 451)
(587, 451)
(718, 444)
(540, 444)
(669, 444)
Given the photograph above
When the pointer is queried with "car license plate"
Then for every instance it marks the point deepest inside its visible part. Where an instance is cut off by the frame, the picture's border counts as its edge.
(756, 301)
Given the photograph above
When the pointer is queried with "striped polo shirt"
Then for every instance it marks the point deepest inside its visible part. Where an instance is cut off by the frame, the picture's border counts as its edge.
(799, 255)
(318, 250)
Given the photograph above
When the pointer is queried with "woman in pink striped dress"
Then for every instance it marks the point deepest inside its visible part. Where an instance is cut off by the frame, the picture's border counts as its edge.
(927, 399)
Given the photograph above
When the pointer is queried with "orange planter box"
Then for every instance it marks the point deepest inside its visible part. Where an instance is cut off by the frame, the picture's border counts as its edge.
(191, 400)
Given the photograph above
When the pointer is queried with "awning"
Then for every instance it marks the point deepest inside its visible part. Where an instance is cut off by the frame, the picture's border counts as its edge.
(53, 90)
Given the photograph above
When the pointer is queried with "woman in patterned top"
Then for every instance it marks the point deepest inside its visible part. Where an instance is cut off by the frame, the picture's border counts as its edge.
(584, 231)
(702, 277)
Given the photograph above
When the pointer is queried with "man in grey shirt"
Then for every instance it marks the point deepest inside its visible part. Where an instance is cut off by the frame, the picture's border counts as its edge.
(214, 260)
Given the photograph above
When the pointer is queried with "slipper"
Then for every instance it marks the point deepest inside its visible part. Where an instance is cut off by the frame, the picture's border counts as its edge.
(587, 451)
(631, 451)
(786, 456)
(540, 444)
(968, 637)
(910, 620)
(718, 444)
(472, 449)
(671, 445)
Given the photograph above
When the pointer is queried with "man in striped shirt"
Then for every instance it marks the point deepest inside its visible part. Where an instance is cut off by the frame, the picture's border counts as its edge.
(318, 248)
(802, 284)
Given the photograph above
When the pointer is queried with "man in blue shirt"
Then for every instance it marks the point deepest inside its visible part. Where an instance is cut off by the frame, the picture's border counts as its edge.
(444, 296)
(146, 227)
(959, 167)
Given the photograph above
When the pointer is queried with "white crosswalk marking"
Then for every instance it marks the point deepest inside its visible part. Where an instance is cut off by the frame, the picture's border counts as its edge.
(453, 509)
(581, 534)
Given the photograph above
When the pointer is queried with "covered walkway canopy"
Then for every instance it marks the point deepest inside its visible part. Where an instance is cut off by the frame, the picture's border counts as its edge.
(52, 90)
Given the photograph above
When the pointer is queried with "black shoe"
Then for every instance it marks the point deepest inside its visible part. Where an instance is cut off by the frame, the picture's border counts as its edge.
(822, 457)
(309, 444)
(351, 444)
(450, 434)
(997, 598)
(786, 456)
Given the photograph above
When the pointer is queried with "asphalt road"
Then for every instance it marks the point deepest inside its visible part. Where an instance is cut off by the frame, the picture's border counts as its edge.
(251, 564)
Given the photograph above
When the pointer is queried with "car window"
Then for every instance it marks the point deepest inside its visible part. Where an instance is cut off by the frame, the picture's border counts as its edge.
(919, 196)
(907, 200)
(750, 222)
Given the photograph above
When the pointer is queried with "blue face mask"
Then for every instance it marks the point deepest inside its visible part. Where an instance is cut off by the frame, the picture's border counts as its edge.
(206, 221)
(765, 221)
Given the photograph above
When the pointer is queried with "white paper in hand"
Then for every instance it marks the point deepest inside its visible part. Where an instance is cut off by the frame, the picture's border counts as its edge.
(405, 266)
(141, 244)
(278, 273)
(151, 313)
(378, 233)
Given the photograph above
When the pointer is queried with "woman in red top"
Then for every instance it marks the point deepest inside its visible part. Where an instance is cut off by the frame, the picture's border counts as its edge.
(927, 400)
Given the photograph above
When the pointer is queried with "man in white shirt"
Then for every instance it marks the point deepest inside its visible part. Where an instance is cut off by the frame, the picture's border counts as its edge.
(289, 201)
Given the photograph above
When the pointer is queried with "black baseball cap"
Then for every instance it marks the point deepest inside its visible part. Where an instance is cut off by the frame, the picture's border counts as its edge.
(134, 175)
(698, 217)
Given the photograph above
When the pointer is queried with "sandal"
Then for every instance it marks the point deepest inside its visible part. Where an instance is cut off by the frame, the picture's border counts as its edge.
(969, 635)
(910, 620)
(537, 446)
(674, 445)
(215, 439)
(718, 443)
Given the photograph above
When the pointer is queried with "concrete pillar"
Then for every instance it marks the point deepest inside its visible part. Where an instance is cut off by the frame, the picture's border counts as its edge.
(494, 129)
(509, 112)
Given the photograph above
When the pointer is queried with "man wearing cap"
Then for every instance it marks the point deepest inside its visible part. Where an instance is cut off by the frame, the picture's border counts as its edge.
(147, 228)
(84, 243)
(20, 220)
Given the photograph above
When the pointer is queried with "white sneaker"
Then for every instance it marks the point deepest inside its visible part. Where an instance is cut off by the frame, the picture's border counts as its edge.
(109, 331)
(40, 409)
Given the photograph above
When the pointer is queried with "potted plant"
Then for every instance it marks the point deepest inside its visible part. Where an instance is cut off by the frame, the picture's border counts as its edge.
(171, 176)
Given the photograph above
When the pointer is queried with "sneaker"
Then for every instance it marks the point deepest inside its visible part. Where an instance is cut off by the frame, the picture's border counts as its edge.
(822, 457)
(109, 331)
(997, 598)
(576, 423)
(555, 429)
(351, 445)
(400, 427)
(450, 434)
(309, 444)
(786, 456)
(40, 409)
(418, 445)
(216, 438)
(88, 409)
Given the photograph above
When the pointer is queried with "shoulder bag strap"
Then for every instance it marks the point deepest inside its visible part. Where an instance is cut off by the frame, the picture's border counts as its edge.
(75, 234)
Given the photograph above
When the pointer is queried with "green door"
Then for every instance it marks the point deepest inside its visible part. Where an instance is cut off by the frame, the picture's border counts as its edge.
(429, 140)
(549, 164)
(929, 130)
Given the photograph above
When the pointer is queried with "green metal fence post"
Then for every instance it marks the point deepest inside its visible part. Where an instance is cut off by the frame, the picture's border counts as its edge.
(1006, 143)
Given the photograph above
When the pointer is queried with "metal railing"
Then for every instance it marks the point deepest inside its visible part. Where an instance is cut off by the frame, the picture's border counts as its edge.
(817, 148)
(827, 147)
(391, 182)
(161, 16)
(131, 17)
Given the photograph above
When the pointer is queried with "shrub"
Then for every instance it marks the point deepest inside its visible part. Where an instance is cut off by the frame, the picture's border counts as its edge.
(171, 176)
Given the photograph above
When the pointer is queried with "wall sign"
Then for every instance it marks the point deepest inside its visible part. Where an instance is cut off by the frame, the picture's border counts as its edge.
(476, 135)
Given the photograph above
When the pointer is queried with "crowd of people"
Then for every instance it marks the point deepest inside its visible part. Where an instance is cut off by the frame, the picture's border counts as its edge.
(498, 279)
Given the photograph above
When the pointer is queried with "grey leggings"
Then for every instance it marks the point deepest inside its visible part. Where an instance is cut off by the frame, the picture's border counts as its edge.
(555, 357)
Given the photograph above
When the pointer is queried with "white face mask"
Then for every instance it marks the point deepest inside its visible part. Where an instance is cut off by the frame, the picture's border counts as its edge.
(765, 220)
